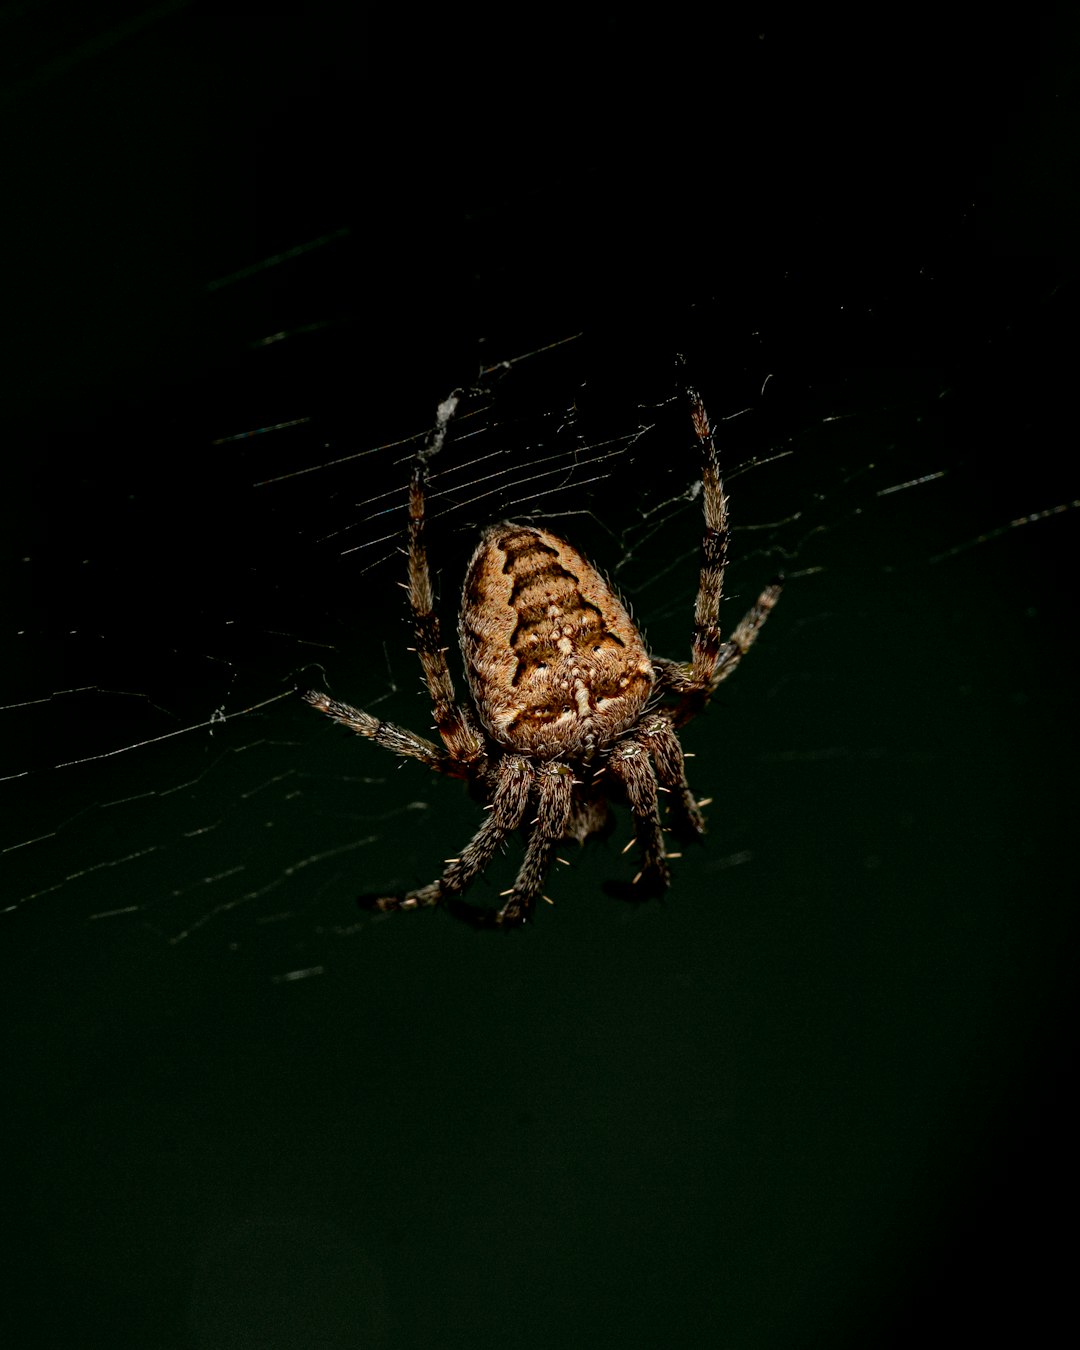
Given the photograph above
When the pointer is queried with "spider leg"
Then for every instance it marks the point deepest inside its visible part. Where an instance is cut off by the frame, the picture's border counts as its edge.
(555, 791)
(706, 642)
(745, 633)
(390, 737)
(630, 764)
(658, 736)
(672, 677)
(456, 725)
(513, 780)
(711, 660)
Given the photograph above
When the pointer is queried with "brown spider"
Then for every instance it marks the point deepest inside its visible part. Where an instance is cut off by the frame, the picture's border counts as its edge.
(567, 704)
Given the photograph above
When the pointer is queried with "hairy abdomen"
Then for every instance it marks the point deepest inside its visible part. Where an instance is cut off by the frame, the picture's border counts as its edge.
(555, 664)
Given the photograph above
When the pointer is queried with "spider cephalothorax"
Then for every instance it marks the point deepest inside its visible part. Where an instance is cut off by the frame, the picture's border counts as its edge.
(568, 709)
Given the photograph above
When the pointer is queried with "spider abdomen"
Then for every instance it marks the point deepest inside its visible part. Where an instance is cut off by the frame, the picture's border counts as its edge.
(555, 664)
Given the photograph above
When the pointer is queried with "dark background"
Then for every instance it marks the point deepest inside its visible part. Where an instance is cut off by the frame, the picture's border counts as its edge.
(813, 1098)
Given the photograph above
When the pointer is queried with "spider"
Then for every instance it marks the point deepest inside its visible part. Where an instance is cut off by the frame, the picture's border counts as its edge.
(569, 710)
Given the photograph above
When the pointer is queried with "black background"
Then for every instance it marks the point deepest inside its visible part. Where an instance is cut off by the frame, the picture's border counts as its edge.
(812, 1100)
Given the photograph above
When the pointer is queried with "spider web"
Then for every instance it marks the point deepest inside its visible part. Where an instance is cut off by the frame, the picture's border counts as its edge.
(241, 285)
(881, 765)
(171, 780)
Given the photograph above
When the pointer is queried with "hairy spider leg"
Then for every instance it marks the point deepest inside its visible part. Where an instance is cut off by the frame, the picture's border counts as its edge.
(514, 777)
(745, 633)
(706, 643)
(555, 794)
(517, 780)
(711, 660)
(398, 740)
(630, 764)
(456, 724)
(658, 736)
